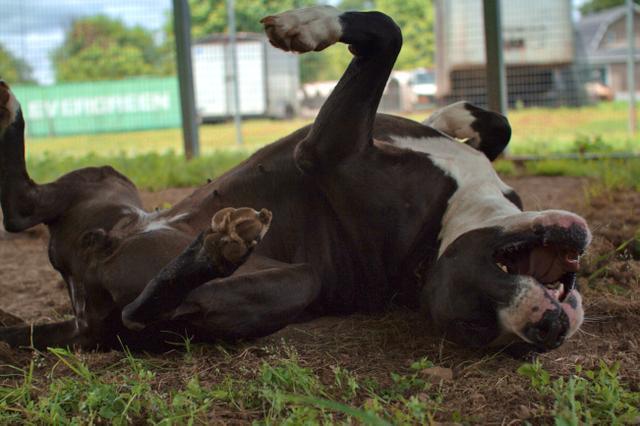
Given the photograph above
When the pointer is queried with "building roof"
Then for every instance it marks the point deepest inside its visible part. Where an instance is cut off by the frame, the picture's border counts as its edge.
(592, 28)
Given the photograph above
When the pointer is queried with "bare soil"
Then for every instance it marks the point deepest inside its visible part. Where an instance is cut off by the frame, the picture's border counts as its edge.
(485, 386)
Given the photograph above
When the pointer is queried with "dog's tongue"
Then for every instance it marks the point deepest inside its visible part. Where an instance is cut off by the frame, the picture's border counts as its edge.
(548, 264)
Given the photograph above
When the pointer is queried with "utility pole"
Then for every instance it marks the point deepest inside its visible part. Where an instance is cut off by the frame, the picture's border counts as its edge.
(496, 75)
(182, 31)
(631, 65)
(237, 114)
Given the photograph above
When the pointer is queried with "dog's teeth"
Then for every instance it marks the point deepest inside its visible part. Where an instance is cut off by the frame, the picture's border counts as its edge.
(554, 286)
(503, 267)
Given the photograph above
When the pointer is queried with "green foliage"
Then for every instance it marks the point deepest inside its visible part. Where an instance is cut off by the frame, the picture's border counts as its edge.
(210, 16)
(103, 48)
(586, 397)
(281, 392)
(593, 144)
(14, 70)
(592, 6)
(415, 17)
(148, 171)
(610, 174)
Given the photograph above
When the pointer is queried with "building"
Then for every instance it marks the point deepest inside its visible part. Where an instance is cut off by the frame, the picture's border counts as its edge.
(539, 53)
(602, 45)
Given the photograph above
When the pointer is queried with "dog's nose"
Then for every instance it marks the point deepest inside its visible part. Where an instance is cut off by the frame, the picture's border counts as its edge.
(550, 331)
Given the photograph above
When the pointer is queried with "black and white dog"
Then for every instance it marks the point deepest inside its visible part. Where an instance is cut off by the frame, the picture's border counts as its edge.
(363, 208)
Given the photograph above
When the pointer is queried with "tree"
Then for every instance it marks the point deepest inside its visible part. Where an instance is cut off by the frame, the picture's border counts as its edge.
(593, 6)
(14, 70)
(103, 48)
(210, 16)
(415, 17)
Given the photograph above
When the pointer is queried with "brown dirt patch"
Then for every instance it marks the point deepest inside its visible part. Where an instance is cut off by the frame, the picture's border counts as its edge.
(485, 387)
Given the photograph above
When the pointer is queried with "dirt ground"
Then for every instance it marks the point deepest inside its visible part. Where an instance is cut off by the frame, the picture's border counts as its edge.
(485, 386)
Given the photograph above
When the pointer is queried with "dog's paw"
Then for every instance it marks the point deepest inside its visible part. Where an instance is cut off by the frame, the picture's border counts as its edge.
(9, 106)
(304, 30)
(234, 232)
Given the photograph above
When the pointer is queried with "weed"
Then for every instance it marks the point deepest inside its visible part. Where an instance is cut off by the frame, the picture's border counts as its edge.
(345, 382)
(280, 392)
(590, 144)
(586, 397)
(604, 258)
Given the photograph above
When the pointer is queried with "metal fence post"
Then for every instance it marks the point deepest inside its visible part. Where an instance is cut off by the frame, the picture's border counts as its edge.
(631, 65)
(182, 31)
(496, 78)
(233, 46)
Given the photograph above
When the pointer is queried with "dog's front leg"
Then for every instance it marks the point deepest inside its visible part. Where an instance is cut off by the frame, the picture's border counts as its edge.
(41, 336)
(344, 124)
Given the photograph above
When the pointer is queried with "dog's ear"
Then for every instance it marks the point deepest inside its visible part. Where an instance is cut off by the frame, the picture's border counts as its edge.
(486, 131)
(492, 129)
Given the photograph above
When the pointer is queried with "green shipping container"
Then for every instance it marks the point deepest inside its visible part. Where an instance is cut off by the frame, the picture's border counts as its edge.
(101, 106)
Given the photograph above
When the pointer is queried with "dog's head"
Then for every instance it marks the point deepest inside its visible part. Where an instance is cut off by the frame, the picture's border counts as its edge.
(512, 280)
(501, 274)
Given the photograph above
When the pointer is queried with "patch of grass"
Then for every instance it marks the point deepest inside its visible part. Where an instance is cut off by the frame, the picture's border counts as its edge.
(213, 138)
(595, 128)
(586, 397)
(153, 159)
(154, 171)
(608, 174)
(601, 127)
(560, 130)
(149, 171)
(282, 391)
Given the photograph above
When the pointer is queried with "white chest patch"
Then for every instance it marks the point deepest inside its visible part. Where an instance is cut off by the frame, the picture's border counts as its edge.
(149, 222)
(479, 200)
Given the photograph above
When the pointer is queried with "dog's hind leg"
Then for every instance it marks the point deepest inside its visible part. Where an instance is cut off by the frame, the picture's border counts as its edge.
(344, 124)
(22, 199)
(250, 304)
(215, 253)
(24, 202)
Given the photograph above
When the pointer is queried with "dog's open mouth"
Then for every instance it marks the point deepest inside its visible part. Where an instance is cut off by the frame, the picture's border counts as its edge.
(552, 265)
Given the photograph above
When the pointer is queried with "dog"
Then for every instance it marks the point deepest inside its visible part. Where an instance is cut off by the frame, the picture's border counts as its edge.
(345, 215)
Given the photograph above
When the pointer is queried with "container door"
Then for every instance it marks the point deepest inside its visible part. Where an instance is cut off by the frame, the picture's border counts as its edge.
(209, 80)
(251, 78)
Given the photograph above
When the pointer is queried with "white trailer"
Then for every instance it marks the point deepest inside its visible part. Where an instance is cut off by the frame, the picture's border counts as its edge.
(268, 78)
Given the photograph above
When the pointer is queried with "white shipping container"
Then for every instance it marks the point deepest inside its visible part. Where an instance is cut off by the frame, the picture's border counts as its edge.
(268, 78)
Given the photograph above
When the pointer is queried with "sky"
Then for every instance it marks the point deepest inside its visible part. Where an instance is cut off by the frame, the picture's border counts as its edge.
(31, 29)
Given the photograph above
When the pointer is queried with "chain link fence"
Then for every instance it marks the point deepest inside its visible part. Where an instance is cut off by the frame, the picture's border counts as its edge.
(96, 72)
